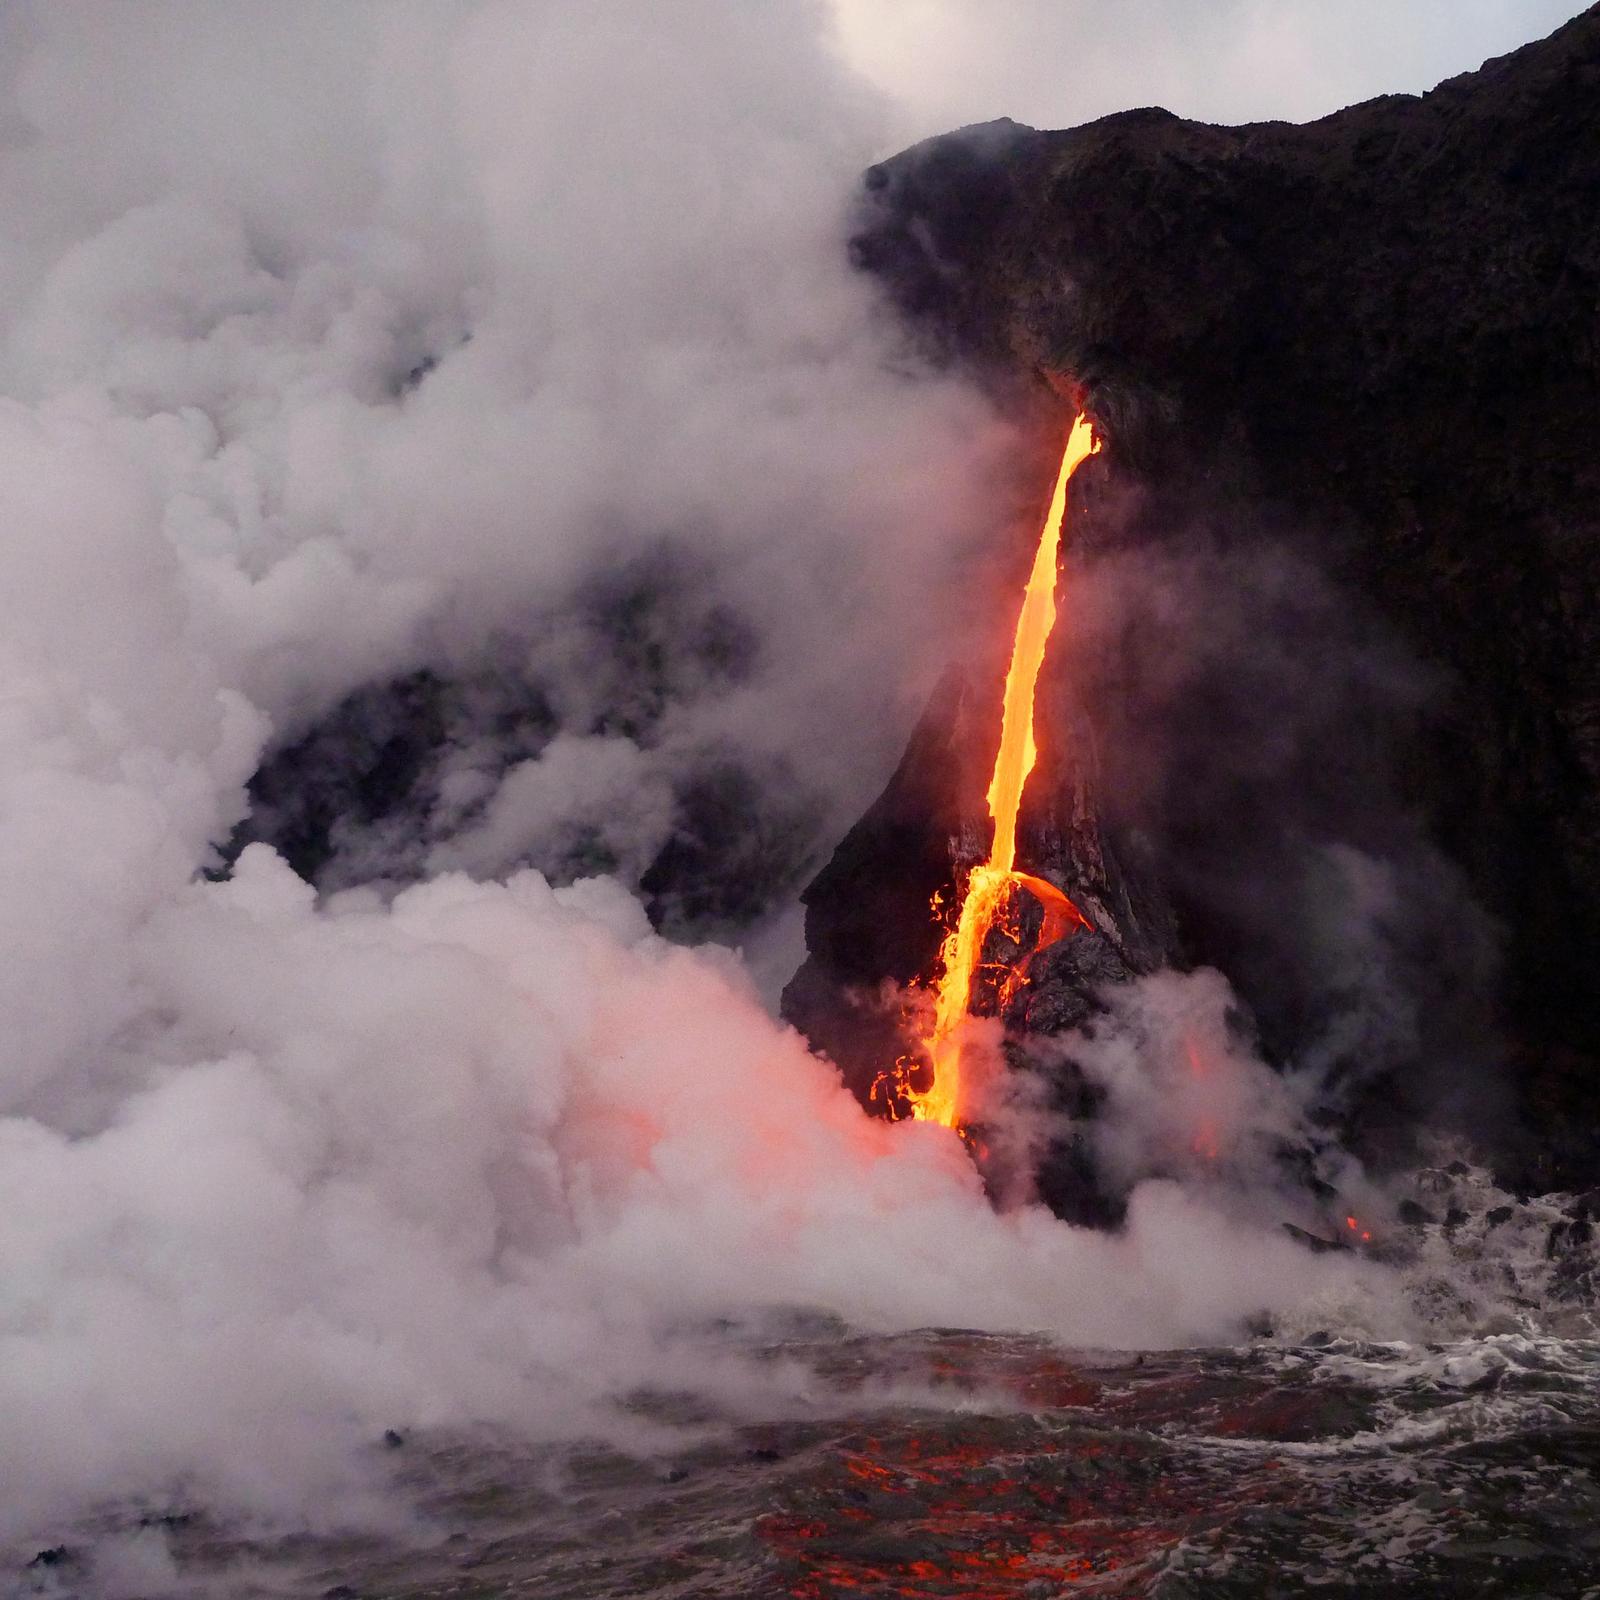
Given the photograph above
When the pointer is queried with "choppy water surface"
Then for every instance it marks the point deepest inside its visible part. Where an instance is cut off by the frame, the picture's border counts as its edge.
(1011, 1468)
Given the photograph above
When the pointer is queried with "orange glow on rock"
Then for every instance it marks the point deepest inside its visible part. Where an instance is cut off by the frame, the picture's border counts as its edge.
(1205, 1142)
(990, 883)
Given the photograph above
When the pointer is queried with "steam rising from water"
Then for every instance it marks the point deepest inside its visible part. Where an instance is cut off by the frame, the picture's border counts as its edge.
(346, 342)
(473, 1157)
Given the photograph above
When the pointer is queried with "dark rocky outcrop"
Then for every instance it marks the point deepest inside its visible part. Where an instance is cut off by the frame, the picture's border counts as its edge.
(871, 931)
(379, 787)
(1350, 372)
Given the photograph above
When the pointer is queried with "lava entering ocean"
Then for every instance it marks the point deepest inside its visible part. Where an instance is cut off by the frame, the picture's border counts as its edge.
(993, 881)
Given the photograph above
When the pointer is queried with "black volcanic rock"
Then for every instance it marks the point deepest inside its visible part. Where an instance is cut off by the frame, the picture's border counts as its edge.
(401, 769)
(871, 931)
(871, 928)
(1372, 341)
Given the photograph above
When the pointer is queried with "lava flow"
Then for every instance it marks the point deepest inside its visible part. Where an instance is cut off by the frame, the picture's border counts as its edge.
(991, 881)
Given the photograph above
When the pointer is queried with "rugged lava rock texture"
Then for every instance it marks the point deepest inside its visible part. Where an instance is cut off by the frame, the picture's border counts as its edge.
(397, 779)
(871, 929)
(872, 934)
(1373, 340)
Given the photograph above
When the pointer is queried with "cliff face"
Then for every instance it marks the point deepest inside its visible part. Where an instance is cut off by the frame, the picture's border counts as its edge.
(1372, 344)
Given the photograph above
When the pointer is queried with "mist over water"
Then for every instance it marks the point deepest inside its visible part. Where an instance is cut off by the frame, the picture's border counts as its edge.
(342, 344)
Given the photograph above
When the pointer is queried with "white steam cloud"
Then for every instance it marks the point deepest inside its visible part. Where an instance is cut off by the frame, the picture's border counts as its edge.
(340, 341)
(460, 1159)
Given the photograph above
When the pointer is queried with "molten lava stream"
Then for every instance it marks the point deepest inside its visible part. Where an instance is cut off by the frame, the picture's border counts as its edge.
(990, 882)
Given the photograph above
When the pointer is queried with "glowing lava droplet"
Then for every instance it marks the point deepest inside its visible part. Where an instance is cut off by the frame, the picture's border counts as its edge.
(989, 883)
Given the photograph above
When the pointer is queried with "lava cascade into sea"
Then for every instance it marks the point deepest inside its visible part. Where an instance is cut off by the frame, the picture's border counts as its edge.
(992, 886)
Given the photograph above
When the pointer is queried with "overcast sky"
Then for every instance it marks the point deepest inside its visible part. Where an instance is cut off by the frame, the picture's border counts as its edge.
(1056, 63)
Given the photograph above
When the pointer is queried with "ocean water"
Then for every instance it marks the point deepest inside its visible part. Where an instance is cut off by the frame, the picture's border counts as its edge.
(1004, 1466)
(944, 1462)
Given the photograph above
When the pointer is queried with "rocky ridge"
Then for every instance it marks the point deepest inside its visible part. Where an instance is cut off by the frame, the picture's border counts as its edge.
(1350, 372)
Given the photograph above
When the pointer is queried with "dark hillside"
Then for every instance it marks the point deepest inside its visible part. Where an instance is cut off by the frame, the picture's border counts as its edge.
(1375, 341)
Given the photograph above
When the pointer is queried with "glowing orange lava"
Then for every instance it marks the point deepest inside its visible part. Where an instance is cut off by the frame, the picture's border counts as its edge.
(991, 882)
(1205, 1141)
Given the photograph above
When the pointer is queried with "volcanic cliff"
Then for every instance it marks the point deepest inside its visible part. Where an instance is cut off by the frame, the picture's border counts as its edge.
(1349, 373)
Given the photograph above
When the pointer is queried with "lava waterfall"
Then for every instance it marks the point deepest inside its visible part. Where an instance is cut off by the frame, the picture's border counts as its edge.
(1333, 722)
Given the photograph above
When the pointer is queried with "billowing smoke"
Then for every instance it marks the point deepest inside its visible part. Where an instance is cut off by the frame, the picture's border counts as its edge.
(469, 1158)
(511, 344)
(461, 423)
(1258, 717)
